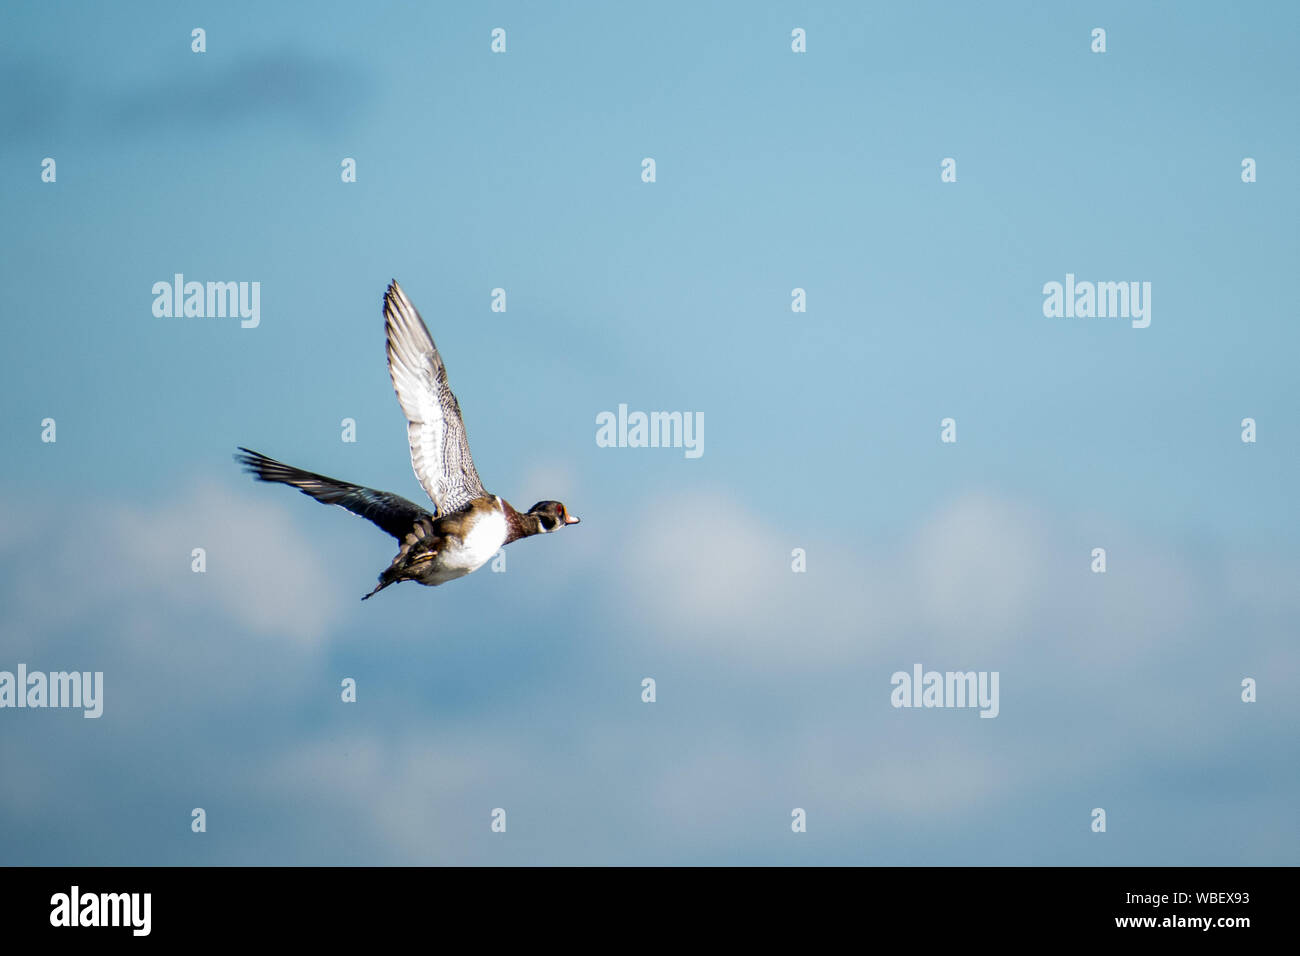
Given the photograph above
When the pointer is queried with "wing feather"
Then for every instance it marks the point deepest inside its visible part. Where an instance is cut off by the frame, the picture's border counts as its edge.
(391, 512)
(439, 447)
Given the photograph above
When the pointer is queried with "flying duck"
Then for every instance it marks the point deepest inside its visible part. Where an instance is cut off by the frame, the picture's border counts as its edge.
(467, 525)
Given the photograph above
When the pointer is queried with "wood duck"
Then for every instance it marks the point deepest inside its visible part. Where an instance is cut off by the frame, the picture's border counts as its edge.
(468, 525)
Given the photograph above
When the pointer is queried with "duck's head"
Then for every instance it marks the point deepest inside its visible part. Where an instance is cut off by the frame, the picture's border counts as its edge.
(551, 516)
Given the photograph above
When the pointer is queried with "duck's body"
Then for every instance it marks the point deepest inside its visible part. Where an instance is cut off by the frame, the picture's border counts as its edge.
(468, 525)
(453, 546)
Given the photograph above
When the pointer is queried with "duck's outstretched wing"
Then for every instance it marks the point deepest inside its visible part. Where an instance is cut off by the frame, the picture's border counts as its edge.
(391, 512)
(439, 447)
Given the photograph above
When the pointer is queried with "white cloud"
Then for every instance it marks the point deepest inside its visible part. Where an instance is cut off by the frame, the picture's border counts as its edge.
(1095, 668)
(787, 696)
(262, 574)
(976, 570)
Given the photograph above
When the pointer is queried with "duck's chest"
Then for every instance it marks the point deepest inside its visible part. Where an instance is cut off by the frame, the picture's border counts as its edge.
(479, 539)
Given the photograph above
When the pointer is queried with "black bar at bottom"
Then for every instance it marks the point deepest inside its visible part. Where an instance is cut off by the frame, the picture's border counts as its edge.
(334, 905)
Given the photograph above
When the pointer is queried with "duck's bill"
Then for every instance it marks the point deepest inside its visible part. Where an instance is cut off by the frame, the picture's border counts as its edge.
(571, 519)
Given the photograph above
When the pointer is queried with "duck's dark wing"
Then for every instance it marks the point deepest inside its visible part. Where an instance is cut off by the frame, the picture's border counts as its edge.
(391, 512)
(439, 448)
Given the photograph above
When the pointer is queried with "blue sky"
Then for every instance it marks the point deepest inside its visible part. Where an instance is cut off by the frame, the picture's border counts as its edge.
(775, 170)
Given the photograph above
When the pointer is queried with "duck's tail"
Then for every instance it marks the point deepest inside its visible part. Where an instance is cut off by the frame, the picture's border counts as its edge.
(419, 546)
(384, 581)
